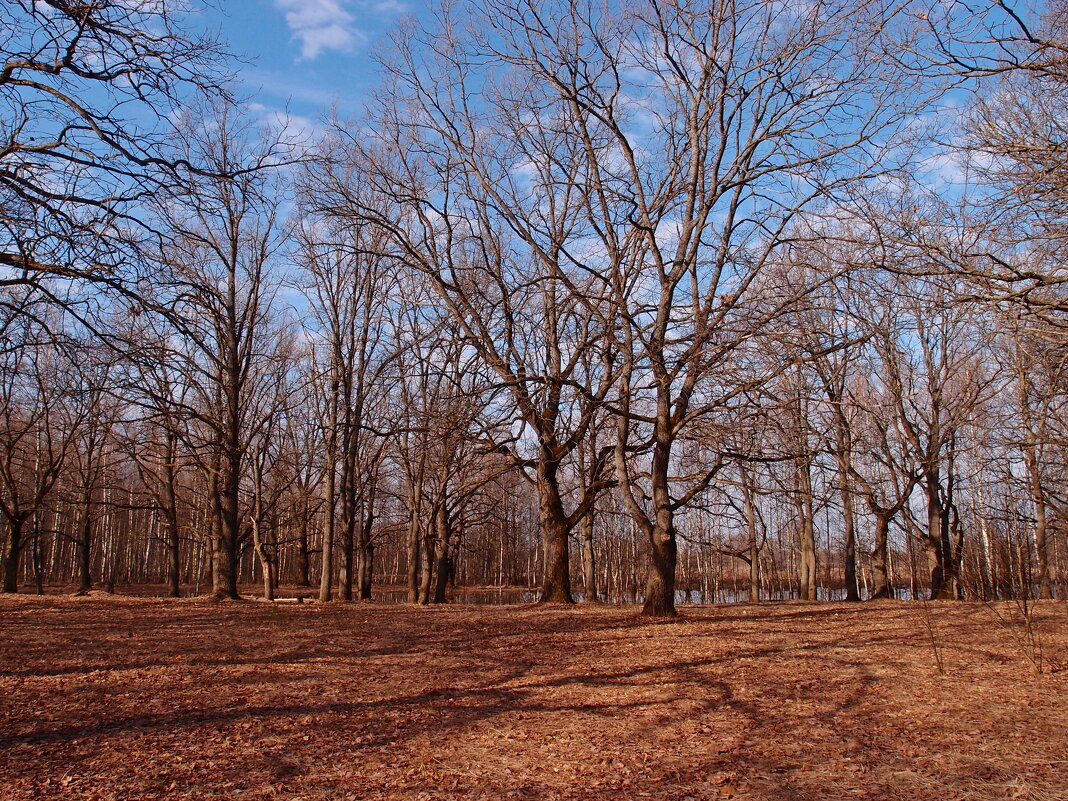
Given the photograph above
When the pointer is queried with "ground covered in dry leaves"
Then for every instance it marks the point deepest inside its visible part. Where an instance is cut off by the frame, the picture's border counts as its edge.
(112, 698)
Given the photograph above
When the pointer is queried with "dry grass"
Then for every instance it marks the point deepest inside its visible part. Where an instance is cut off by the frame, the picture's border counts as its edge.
(108, 698)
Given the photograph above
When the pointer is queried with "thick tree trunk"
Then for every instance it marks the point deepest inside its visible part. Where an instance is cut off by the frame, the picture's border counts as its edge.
(442, 572)
(879, 564)
(556, 586)
(660, 580)
(936, 541)
(13, 555)
(426, 572)
(227, 555)
(367, 571)
(663, 548)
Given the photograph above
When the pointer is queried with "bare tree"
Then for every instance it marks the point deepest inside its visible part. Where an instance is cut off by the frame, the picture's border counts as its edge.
(38, 426)
(217, 291)
(86, 96)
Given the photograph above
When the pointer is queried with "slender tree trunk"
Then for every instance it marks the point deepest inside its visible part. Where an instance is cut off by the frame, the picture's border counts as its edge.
(348, 556)
(589, 566)
(326, 571)
(303, 556)
(84, 547)
(365, 565)
(852, 591)
(258, 543)
(170, 518)
(754, 542)
(1034, 476)
(414, 557)
(266, 565)
(806, 526)
(426, 573)
(1038, 498)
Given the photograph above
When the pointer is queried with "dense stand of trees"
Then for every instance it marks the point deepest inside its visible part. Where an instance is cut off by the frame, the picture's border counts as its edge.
(664, 303)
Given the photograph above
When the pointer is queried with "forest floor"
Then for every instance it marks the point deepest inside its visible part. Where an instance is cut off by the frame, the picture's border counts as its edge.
(121, 698)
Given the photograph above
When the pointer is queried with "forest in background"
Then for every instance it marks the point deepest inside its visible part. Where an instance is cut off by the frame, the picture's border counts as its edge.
(656, 303)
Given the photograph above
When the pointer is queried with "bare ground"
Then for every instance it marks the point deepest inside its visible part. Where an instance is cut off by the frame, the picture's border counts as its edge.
(111, 698)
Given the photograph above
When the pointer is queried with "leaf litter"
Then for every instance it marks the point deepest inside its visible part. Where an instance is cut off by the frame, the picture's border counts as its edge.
(108, 698)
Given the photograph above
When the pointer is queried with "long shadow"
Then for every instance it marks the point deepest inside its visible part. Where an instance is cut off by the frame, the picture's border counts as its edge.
(517, 687)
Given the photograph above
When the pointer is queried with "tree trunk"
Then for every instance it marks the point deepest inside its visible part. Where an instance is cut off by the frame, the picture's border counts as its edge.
(589, 566)
(426, 572)
(85, 551)
(303, 558)
(852, 591)
(367, 571)
(880, 574)
(170, 518)
(806, 528)
(227, 554)
(12, 555)
(264, 558)
(348, 557)
(365, 562)
(660, 580)
(442, 572)
(1038, 498)
(754, 542)
(414, 557)
(556, 585)
(326, 572)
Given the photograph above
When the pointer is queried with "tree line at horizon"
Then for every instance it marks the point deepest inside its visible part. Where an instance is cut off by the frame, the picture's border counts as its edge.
(658, 303)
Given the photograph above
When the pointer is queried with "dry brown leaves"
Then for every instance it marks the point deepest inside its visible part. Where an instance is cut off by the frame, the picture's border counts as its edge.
(109, 698)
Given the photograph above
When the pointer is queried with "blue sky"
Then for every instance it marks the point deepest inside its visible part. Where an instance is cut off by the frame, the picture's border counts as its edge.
(306, 55)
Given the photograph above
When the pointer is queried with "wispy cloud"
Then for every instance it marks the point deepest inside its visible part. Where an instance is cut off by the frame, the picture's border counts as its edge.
(320, 25)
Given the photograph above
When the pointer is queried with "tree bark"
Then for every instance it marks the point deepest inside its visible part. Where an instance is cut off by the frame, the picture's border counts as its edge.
(589, 565)
(227, 554)
(556, 584)
(879, 564)
(12, 555)
(806, 528)
(303, 556)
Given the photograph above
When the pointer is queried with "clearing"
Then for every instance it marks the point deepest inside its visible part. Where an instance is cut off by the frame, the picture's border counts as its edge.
(121, 698)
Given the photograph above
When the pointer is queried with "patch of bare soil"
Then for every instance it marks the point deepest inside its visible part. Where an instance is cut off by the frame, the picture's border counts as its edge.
(110, 698)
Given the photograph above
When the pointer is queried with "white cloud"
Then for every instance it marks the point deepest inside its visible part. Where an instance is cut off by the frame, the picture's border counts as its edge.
(389, 7)
(320, 25)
